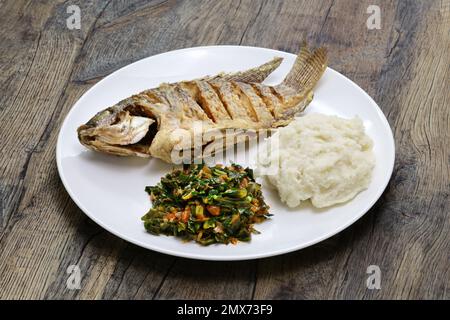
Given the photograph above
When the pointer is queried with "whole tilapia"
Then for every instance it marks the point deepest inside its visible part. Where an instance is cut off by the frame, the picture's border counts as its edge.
(144, 124)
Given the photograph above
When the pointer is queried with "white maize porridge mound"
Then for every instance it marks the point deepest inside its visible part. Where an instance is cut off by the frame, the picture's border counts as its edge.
(326, 159)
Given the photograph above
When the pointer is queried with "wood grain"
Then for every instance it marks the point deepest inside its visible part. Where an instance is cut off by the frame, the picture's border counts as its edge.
(45, 68)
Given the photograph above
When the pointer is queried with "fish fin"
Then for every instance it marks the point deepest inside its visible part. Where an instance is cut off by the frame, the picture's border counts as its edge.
(308, 69)
(256, 74)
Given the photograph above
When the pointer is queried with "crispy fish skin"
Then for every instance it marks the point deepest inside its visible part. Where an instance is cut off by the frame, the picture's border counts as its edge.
(157, 121)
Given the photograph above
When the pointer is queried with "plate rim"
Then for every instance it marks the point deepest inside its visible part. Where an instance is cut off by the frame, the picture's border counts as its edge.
(222, 257)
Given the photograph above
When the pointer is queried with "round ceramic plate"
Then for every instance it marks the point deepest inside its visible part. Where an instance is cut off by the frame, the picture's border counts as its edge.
(110, 190)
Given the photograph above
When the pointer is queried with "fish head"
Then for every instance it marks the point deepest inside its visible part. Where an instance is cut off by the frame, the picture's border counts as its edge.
(125, 129)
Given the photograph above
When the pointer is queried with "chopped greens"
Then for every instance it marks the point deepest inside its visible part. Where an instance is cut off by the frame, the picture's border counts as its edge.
(206, 204)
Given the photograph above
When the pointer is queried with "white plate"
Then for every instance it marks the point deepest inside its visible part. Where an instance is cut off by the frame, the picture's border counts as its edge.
(110, 190)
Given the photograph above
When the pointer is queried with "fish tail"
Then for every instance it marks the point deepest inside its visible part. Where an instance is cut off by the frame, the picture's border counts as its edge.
(308, 68)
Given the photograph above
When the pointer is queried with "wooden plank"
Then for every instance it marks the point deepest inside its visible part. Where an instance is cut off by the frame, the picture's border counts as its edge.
(39, 223)
(189, 279)
(404, 234)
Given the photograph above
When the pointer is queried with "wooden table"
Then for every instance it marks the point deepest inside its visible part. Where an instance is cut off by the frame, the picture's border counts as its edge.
(46, 67)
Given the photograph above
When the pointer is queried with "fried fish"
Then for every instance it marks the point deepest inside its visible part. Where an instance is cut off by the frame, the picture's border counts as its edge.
(144, 124)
